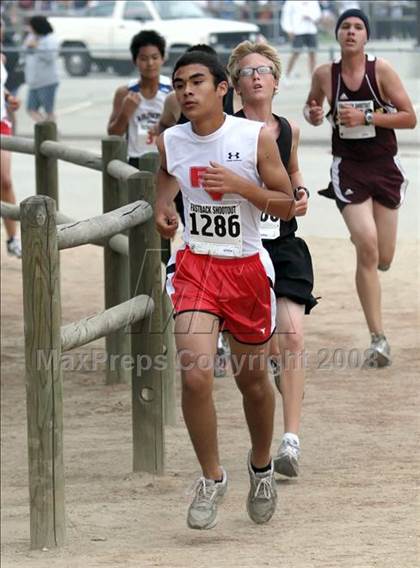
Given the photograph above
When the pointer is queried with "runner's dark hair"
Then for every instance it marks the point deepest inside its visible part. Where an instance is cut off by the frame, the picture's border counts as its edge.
(207, 60)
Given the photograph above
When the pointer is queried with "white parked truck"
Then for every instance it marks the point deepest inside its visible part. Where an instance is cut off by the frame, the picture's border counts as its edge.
(102, 34)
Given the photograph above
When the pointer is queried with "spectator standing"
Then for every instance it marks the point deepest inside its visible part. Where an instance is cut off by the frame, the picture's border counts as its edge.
(328, 18)
(41, 69)
(299, 20)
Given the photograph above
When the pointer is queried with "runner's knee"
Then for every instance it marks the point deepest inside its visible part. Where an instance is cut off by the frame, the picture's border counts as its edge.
(367, 252)
(385, 259)
(255, 390)
(197, 383)
(292, 342)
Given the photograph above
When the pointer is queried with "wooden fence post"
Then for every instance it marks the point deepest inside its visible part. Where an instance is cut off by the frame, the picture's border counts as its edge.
(146, 338)
(150, 162)
(169, 374)
(44, 388)
(46, 168)
(116, 269)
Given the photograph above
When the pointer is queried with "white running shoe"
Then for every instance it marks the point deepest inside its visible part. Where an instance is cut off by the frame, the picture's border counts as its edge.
(262, 497)
(222, 355)
(287, 460)
(220, 364)
(379, 352)
(276, 372)
(14, 247)
(202, 513)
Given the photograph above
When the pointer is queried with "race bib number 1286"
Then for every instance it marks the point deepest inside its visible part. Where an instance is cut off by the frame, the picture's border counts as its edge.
(215, 229)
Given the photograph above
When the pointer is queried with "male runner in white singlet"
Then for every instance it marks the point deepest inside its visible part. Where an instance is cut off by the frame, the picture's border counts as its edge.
(222, 277)
(138, 105)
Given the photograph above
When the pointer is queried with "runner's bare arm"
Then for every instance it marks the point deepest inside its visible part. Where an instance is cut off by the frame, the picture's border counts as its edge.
(170, 113)
(275, 178)
(295, 174)
(166, 190)
(293, 166)
(276, 200)
(320, 89)
(393, 90)
(124, 106)
(13, 103)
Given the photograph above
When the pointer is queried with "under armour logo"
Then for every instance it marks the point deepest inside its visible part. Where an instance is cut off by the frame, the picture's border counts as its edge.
(348, 191)
(233, 155)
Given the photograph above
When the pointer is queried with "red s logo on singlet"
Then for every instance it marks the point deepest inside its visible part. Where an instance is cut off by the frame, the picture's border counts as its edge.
(196, 173)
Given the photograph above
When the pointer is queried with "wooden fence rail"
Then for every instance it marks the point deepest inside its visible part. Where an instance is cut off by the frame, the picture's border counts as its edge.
(118, 243)
(9, 211)
(73, 155)
(17, 144)
(97, 228)
(120, 171)
(93, 327)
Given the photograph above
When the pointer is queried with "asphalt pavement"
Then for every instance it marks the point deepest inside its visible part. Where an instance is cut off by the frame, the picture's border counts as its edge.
(84, 105)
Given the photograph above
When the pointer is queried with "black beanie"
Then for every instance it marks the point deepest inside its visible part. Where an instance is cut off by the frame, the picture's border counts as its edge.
(353, 13)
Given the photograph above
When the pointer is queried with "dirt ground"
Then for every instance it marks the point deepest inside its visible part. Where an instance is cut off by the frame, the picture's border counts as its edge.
(353, 505)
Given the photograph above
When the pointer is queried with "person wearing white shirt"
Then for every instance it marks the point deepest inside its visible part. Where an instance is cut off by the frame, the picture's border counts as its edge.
(299, 20)
(41, 69)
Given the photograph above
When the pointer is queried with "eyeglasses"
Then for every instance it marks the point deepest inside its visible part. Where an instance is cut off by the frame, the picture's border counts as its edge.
(261, 70)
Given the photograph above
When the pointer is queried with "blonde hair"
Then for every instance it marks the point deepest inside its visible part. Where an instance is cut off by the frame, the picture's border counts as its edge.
(246, 48)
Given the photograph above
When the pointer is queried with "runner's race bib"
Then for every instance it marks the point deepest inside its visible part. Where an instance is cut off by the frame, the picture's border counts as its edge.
(215, 229)
(356, 132)
(269, 226)
(145, 121)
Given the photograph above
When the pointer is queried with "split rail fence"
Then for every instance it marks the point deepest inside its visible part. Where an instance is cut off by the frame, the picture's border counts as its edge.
(136, 322)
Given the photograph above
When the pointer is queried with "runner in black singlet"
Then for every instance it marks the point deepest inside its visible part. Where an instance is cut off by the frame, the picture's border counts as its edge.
(255, 71)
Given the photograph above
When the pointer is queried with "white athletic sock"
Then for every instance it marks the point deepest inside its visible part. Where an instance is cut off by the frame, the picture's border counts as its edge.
(292, 438)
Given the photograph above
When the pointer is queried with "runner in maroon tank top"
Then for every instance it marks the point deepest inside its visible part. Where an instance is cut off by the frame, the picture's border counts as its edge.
(367, 101)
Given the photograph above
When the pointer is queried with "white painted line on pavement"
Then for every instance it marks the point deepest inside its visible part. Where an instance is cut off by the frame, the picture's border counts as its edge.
(74, 108)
